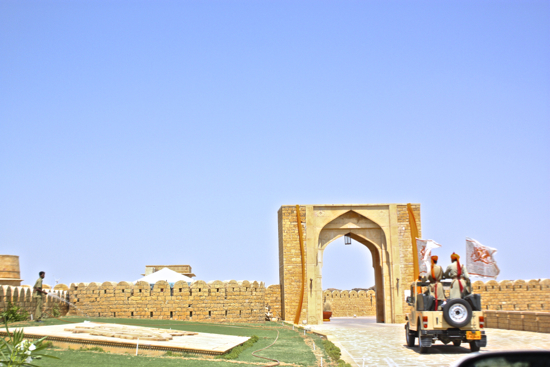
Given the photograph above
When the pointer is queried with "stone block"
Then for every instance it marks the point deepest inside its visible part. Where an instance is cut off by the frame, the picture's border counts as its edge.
(543, 322)
(503, 320)
(530, 321)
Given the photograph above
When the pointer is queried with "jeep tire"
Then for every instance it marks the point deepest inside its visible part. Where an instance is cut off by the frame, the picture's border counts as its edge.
(457, 312)
(410, 336)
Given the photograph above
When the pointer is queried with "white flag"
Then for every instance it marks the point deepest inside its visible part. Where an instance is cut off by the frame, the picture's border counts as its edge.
(425, 248)
(480, 259)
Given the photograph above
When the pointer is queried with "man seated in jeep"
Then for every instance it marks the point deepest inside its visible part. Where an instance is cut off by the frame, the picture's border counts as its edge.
(459, 275)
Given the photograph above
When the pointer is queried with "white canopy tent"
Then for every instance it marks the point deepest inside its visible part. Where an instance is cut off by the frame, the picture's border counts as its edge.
(165, 274)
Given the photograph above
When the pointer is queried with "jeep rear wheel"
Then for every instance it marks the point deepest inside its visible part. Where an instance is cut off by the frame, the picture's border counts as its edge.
(410, 336)
(457, 312)
(474, 347)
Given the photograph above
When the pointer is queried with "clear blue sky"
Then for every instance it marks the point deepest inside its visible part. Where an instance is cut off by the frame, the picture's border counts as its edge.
(170, 132)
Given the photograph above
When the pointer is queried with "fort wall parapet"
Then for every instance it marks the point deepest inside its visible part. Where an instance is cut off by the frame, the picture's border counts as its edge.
(215, 301)
(23, 297)
(349, 303)
(506, 295)
(516, 295)
(273, 300)
(244, 301)
(518, 320)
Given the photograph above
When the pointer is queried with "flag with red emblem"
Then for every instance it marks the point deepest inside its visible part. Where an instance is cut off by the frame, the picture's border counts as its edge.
(480, 259)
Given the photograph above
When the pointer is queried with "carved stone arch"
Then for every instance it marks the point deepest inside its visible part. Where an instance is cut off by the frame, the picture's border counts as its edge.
(382, 228)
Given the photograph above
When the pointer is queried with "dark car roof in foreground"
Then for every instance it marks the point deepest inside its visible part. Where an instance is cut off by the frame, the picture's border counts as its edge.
(473, 357)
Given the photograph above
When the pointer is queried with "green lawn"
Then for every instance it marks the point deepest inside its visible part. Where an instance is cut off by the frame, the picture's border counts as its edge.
(95, 359)
(289, 348)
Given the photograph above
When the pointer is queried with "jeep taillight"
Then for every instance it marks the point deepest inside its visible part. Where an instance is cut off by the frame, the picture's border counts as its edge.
(481, 322)
(425, 321)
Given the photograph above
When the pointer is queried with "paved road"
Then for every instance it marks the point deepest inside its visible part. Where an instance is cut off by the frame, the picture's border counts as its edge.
(384, 344)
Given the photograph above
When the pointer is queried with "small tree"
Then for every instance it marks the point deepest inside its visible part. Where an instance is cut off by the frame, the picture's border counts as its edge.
(15, 350)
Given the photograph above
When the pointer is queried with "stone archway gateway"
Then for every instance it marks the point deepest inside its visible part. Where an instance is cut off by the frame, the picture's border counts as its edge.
(383, 228)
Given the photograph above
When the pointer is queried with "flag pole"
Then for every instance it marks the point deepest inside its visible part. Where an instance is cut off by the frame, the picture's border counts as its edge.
(414, 235)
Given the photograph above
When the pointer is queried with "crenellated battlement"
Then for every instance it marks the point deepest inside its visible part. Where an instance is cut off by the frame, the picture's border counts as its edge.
(516, 295)
(241, 301)
(348, 303)
(22, 296)
(215, 301)
(506, 295)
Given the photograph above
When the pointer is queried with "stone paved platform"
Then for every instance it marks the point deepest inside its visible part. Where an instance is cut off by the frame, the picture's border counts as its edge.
(205, 343)
(384, 344)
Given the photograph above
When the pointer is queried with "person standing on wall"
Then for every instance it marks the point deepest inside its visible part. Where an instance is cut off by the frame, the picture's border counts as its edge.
(39, 296)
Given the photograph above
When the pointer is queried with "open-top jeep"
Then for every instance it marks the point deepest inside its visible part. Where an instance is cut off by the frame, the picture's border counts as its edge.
(460, 320)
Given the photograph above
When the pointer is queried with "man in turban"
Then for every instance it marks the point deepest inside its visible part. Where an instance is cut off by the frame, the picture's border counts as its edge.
(436, 288)
(459, 275)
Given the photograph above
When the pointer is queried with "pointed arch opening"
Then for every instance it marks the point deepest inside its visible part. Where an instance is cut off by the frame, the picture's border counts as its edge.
(366, 232)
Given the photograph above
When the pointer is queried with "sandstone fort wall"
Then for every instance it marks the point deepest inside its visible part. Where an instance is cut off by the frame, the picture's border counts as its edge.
(518, 295)
(506, 295)
(516, 305)
(513, 305)
(518, 320)
(216, 301)
(273, 300)
(22, 297)
(349, 303)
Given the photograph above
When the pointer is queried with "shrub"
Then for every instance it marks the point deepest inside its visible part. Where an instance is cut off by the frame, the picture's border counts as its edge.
(55, 310)
(173, 354)
(178, 354)
(14, 313)
(334, 353)
(234, 353)
(92, 349)
(332, 350)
